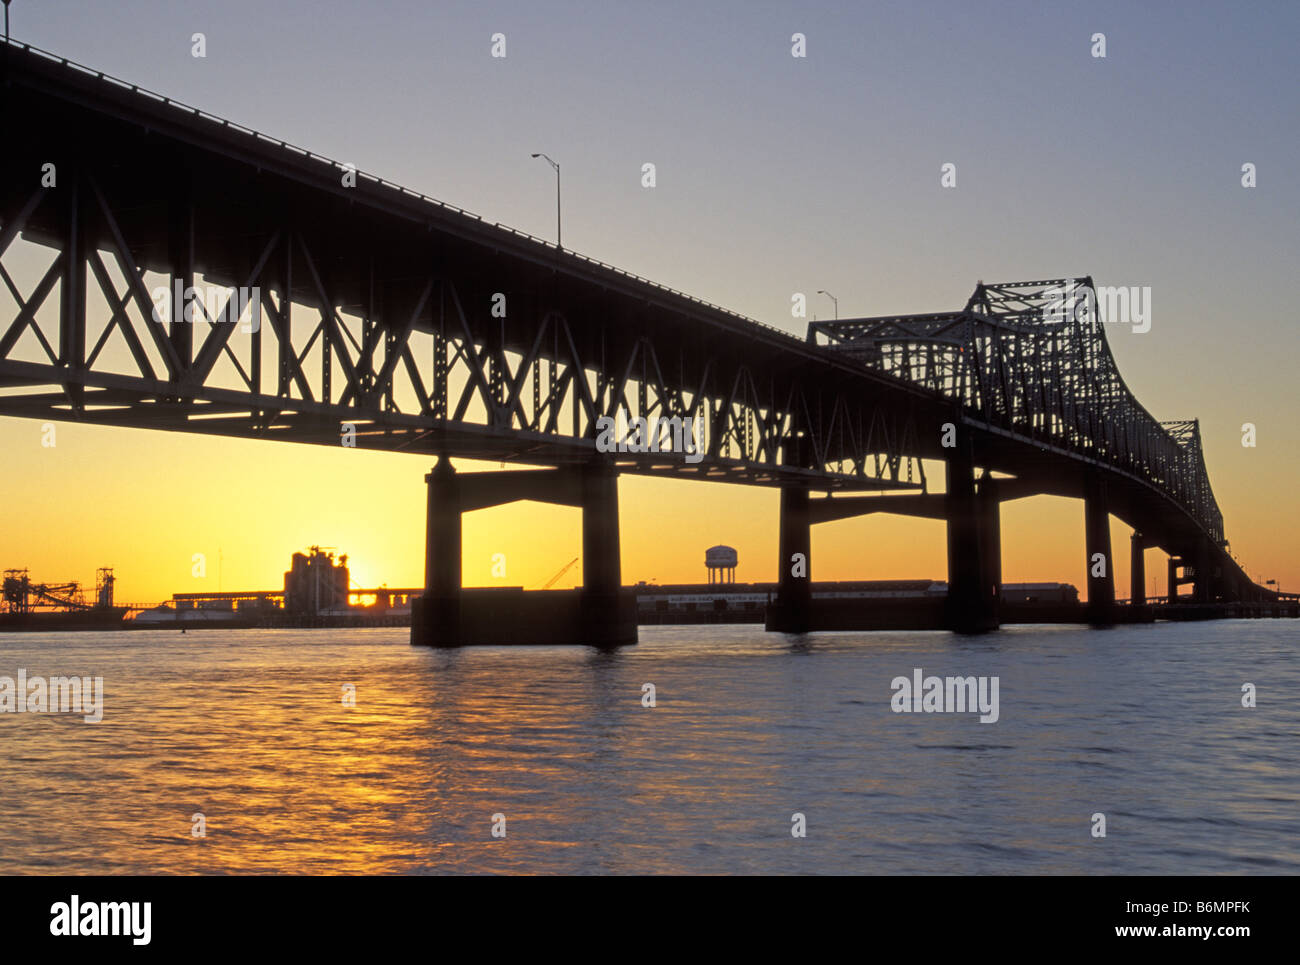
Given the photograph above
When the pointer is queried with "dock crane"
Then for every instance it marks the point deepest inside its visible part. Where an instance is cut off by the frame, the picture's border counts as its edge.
(563, 569)
(21, 595)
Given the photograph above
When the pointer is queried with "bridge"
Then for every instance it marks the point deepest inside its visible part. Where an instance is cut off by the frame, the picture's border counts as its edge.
(354, 311)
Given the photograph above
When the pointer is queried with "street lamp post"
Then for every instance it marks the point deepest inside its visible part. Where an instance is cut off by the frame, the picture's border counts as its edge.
(823, 291)
(557, 196)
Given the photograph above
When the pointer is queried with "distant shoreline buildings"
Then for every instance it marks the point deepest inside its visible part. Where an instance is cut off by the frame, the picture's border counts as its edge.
(317, 591)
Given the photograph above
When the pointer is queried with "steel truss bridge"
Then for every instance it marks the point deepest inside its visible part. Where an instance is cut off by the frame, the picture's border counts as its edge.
(377, 317)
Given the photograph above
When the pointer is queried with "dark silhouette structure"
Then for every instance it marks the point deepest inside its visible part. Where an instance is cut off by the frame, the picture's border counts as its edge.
(316, 583)
(366, 314)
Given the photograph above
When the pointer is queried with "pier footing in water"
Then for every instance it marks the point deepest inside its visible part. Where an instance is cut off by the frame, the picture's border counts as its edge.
(513, 616)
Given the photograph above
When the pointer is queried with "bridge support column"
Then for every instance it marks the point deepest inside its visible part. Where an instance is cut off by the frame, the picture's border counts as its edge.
(1203, 587)
(608, 615)
(990, 514)
(1172, 591)
(792, 612)
(436, 618)
(1137, 579)
(1101, 569)
(972, 607)
(600, 614)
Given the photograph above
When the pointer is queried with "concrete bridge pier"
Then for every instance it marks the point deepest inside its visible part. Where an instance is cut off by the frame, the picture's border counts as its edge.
(1137, 570)
(792, 610)
(440, 621)
(1183, 571)
(601, 614)
(607, 613)
(972, 517)
(990, 521)
(1101, 568)
(1139, 611)
(1203, 585)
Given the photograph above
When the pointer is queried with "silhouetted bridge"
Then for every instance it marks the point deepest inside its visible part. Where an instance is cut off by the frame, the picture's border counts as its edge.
(392, 321)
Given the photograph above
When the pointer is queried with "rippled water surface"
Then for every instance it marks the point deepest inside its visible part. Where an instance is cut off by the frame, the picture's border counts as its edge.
(248, 727)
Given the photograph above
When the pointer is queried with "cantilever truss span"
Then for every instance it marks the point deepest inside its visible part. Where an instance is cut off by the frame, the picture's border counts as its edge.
(1032, 358)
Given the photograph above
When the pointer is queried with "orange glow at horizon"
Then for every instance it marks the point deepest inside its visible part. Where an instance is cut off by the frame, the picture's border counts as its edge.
(146, 502)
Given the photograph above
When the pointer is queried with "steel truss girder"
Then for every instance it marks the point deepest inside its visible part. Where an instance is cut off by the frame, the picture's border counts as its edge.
(313, 370)
(1033, 358)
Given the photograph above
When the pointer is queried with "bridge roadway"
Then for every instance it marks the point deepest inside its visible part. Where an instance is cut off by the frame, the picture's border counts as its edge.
(389, 320)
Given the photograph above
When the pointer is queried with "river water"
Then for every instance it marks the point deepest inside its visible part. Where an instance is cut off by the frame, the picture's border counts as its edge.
(250, 730)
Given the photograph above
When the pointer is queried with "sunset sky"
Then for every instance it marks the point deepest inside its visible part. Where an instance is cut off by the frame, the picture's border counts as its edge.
(775, 175)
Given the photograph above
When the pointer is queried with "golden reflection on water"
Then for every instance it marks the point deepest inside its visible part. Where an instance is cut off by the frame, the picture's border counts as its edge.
(249, 729)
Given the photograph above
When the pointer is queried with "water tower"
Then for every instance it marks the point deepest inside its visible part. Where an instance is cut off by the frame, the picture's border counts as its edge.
(721, 563)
